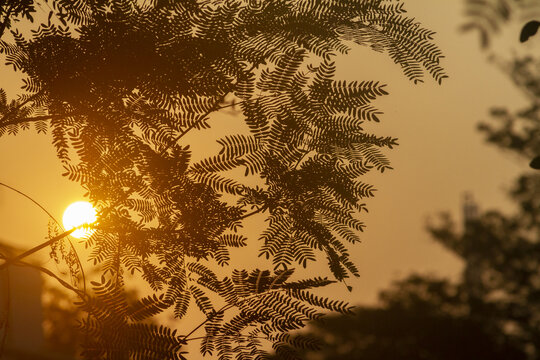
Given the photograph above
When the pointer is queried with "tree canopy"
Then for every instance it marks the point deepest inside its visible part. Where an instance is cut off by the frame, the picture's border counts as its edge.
(119, 84)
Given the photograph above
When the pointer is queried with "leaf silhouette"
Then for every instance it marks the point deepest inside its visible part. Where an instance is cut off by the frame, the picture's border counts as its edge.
(124, 86)
(528, 30)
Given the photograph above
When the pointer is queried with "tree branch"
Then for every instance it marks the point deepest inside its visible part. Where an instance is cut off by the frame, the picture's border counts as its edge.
(32, 200)
(193, 125)
(256, 211)
(37, 118)
(229, 335)
(227, 307)
(188, 129)
(62, 282)
(19, 257)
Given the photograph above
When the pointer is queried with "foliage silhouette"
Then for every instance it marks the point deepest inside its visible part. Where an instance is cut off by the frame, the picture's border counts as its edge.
(11, 10)
(489, 17)
(493, 312)
(535, 163)
(528, 30)
(120, 84)
(419, 317)
(502, 252)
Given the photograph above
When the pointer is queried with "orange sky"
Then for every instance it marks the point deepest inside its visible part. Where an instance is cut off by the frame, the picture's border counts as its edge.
(440, 156)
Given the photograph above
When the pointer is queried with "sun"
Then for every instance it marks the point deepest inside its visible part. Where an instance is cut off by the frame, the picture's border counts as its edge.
(79, 213)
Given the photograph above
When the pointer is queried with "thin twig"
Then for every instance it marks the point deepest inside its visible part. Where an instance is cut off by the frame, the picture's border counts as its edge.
(46, 271)
(39, 118)
(37, 248)
(180, 231)
(227, 307)
(57, 223)
(31, 199)
(189, 128)
(262, 208)
(223, 309)
(227, 335)
(196, 123)
(20, 105)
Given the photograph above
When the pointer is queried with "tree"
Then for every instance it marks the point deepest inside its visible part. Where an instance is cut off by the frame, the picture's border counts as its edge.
(502, 252)
(493, 312)
(120, 84)
(509, 271)
(420, 317)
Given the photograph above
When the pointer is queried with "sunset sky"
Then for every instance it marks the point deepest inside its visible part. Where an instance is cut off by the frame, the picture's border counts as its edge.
(441, 155)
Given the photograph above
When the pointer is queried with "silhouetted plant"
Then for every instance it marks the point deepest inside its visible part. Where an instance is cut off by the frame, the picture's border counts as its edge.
(120, 84)
(420, 317)
(528, 30)
(501, 251)
(12, 10)
(488, 17)
(493, 312)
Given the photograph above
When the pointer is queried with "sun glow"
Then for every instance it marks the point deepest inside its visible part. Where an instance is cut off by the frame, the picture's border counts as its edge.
(79, 213)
